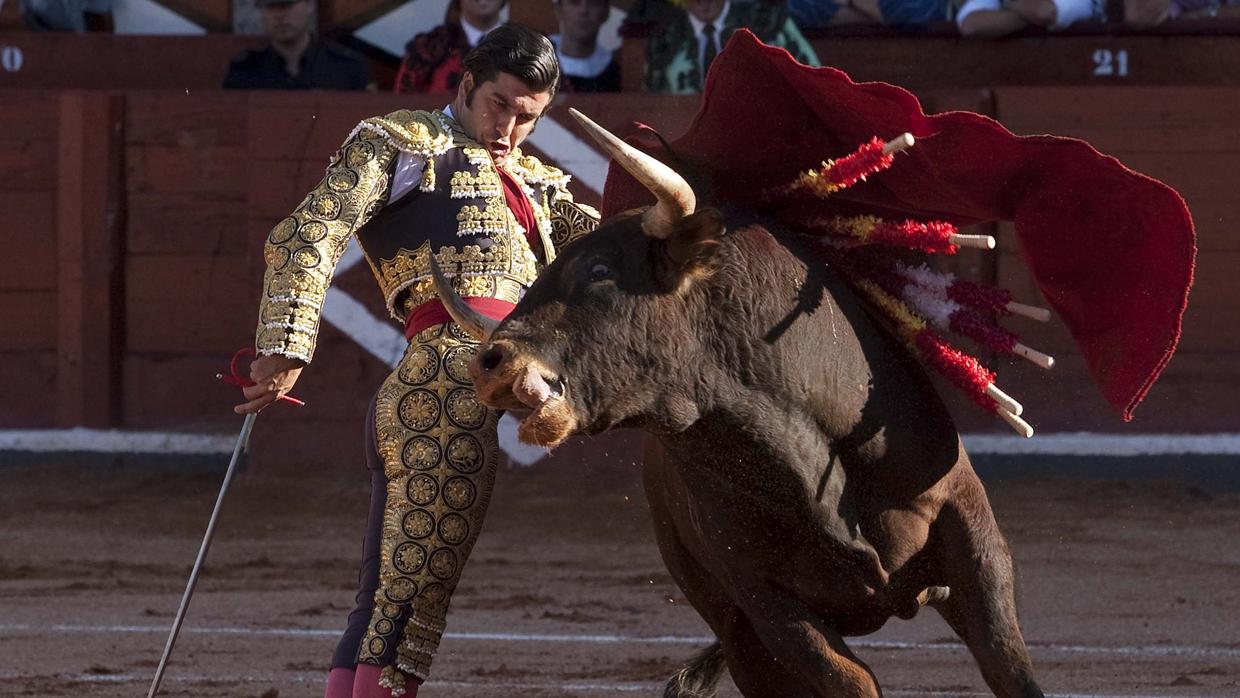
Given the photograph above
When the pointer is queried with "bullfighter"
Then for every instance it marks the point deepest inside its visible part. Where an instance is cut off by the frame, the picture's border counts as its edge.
(453, 184)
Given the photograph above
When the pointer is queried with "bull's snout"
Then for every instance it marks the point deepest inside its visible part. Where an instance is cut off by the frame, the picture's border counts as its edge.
(504, 379)
(489, 359)
(493, 371)
(507, 378)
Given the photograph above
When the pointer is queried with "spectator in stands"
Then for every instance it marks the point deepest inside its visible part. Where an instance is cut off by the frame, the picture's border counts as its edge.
(432, 61)
(585, 66)
(988, 19)
(68, 15)
(892, 13)
(1146, 14)
(295, 59)
(680, 52)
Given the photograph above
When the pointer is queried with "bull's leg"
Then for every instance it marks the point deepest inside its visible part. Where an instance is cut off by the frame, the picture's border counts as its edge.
(756, 673)
(773, 661)
(777, 660)
(699, 678)
(976, 564)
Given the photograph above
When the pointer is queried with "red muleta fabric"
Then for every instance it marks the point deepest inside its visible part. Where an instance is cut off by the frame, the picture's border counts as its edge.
(1112, 250)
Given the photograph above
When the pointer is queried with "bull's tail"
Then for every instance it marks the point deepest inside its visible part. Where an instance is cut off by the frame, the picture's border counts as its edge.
(699, 678)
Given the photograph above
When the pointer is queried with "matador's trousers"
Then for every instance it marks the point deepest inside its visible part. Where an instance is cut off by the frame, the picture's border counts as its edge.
(432, 450)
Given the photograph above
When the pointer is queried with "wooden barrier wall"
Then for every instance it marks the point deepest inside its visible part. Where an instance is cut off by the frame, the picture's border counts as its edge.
(146, 211)
(28, 283)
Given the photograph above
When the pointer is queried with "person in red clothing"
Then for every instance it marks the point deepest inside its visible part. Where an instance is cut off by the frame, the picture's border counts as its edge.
(433, 59)
(452, 184)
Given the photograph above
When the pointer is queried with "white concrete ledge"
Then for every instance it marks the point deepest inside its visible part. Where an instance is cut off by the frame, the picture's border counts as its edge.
(80, 440)
(1053, 444)
(1093, 444)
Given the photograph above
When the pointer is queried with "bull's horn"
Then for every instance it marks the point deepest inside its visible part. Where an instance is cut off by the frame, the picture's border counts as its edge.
(477, 325)
(675, 196)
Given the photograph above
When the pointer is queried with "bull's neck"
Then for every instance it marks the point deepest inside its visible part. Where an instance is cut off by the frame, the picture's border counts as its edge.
(784, 341)
(758, 320)
(755, 433)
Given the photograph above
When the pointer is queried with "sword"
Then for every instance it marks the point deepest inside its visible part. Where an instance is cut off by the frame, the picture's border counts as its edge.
(242, 438)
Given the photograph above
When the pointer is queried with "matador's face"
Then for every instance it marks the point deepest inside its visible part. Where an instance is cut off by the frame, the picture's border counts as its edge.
(499, 113)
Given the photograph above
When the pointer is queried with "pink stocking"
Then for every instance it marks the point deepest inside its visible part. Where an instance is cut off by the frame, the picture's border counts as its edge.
(339, 683)
(366, 684)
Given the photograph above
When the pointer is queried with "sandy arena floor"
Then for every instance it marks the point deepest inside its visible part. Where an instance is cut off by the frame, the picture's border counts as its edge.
(1124, 589)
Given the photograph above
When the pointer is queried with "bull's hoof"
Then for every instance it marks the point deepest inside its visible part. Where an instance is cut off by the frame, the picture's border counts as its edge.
(699, 678)
(928, 597)
(933, 595)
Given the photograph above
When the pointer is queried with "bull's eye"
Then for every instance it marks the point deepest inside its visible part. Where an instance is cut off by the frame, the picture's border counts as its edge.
(599, 271)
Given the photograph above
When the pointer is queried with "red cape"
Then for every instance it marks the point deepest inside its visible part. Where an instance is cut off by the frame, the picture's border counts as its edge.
(1112, 250)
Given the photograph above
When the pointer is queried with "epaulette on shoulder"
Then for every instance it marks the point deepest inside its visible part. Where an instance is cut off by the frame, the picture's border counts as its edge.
(416, 132)
(533, 172)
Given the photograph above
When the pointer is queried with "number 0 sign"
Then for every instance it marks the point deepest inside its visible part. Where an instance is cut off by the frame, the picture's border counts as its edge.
(11, 58)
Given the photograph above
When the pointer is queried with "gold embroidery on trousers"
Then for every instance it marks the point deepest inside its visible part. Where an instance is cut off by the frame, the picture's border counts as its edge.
(439, 451)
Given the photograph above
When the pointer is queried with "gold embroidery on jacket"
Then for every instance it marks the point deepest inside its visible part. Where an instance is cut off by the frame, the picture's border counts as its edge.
(477, 155)
(415, 132)
(473, 221)
(425, 134)
(502, 271)
(535, 173)
(465, 185)
(302, 250)
(570, 221)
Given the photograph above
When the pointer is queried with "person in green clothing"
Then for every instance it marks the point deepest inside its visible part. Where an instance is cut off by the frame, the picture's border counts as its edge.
(679, 54)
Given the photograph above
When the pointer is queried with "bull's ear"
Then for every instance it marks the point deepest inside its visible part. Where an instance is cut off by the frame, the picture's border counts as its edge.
(692, 246)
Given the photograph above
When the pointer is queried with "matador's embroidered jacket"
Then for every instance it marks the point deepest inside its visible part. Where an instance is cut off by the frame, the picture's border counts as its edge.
(456, 210)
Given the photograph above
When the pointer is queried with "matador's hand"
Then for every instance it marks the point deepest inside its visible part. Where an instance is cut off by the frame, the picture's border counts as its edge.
(273, 378)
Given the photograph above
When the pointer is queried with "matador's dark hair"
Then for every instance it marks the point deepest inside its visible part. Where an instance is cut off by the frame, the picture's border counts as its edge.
(518, 50)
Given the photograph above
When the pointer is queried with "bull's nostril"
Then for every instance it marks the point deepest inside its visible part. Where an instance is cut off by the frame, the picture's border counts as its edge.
(492, 358)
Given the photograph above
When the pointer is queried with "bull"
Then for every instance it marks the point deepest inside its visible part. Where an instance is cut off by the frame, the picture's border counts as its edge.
(805, 479)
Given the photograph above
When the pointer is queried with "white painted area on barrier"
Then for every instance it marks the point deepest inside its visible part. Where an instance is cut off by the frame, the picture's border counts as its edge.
(147, 17)
(381, 337)
(571, 154)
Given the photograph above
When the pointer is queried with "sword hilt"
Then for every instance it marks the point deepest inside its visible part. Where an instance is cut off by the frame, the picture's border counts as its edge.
(236, 378)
